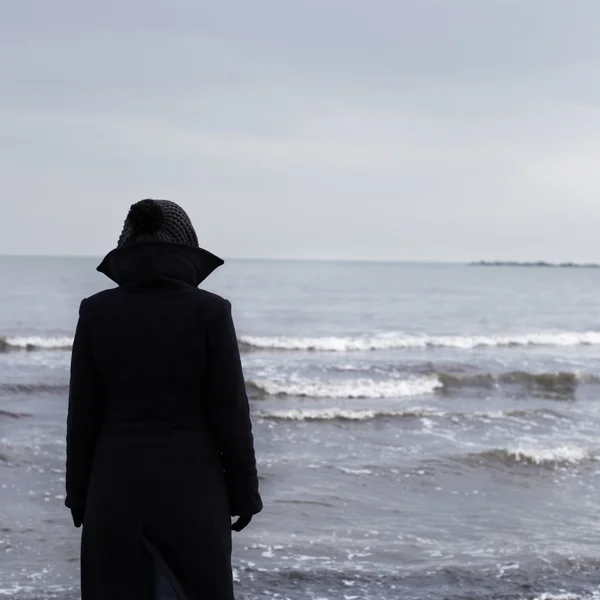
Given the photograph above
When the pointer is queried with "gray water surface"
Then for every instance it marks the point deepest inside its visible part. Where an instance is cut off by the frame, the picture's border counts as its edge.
(422, 431)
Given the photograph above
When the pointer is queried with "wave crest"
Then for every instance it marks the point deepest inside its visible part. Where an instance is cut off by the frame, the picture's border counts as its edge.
(344, 414)
(35, 343)
(516, 377)
(557, 386)
(561, 455)
(392, 341)
(359, 388)
(340, 414)
(385, 341)
(561, 383)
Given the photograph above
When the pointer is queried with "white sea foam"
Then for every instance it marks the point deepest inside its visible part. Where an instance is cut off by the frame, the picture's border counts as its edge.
(350, 471)
(359, 388)
(45, 343)
(559, 454)
(346, 344)
(560, 596)
(392, 341)
(594, 595)
(325, 414)
(346, 414)
(15, 588)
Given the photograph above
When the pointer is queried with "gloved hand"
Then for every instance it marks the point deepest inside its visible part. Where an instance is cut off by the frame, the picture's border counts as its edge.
(242, 522)
(77, 514)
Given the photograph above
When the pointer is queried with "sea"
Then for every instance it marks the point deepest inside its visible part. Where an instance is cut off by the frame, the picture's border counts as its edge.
(423, 431)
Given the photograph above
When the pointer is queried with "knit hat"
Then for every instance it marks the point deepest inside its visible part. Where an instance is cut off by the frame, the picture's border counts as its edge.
(158, 221)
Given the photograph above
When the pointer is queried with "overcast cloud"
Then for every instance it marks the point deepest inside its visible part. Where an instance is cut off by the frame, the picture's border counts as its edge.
(388, 129)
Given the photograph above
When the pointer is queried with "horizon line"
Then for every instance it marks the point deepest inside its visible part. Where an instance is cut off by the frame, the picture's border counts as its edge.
(262, 259)
(474, 262)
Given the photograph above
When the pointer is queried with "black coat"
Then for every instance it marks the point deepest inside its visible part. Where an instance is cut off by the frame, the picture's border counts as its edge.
(159, 438)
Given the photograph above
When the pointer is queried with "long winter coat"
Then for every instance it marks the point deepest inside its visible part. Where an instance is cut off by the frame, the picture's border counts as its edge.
(159, 438)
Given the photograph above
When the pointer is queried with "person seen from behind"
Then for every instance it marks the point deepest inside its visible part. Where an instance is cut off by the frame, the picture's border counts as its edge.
(160, 452)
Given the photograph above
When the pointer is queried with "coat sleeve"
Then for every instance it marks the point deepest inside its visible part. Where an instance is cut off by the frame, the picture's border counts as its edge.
(84, 419)
(229, 414)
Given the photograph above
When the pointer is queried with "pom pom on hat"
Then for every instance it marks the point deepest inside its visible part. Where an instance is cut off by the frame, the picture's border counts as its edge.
(146, 217)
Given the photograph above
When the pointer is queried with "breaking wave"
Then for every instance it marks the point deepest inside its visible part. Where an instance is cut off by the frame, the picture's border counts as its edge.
(561, 383)
(347, 344)
(343, 414)
(359, 388)
(558, 386)
(337, 414)
(512, 377)
(558, 456)
(35, 343)
(392, 341)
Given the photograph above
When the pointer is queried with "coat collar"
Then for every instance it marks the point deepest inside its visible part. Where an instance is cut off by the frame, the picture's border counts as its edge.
(148, 261)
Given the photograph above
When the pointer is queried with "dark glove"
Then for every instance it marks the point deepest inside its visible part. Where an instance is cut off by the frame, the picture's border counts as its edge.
(77, 514)
(241, 523)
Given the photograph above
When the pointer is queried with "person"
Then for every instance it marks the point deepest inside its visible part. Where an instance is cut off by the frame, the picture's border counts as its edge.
(160, 451)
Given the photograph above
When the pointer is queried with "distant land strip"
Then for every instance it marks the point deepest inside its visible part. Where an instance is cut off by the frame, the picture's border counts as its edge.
(504, 263)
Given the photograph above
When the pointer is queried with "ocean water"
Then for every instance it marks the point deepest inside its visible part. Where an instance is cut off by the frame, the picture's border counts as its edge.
(422, 431)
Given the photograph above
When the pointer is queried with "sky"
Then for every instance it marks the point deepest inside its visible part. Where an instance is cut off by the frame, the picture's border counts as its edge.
(316, 129)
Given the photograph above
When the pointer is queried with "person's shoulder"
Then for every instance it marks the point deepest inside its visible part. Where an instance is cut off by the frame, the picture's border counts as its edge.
(212, 300)
(97, 302)
(100, 297)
